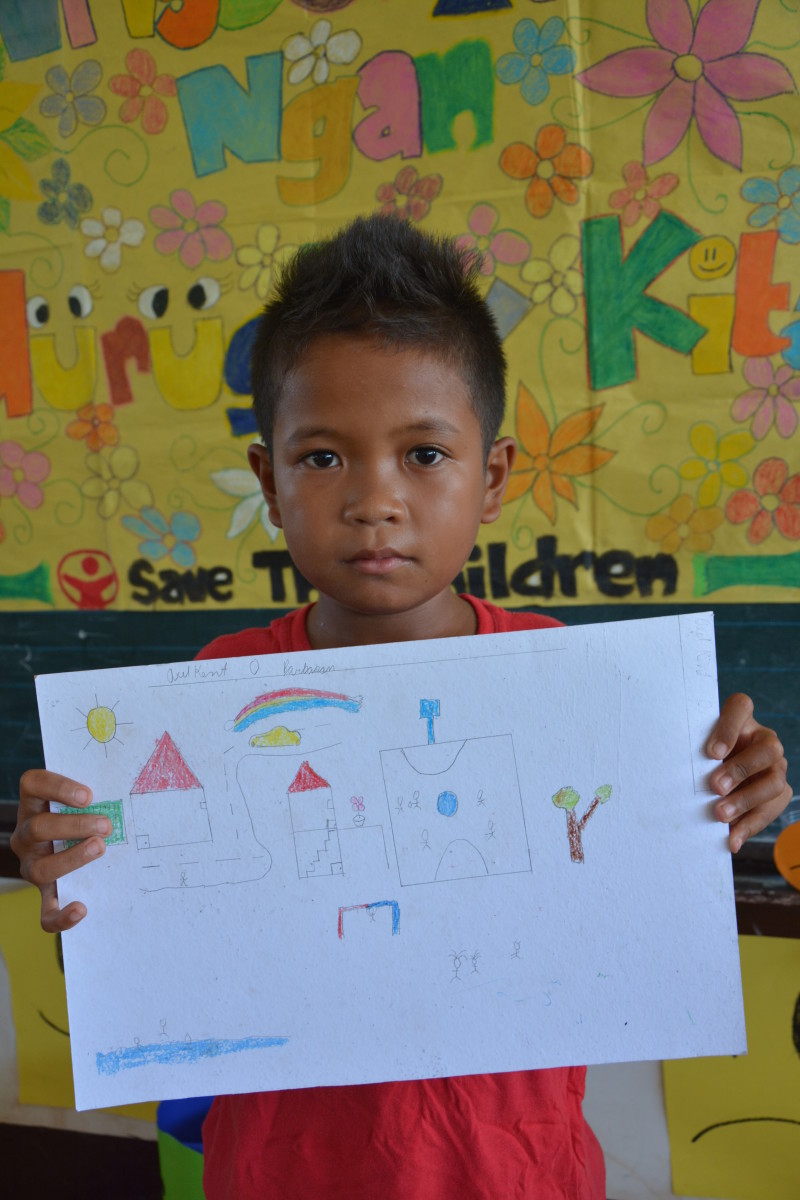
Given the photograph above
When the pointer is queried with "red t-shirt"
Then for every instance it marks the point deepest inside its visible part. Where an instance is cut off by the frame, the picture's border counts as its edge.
(520, 1135)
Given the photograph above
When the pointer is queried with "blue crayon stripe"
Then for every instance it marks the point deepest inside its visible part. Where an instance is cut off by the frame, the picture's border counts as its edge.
(395, 912)
(294, 706)
(128, 1057)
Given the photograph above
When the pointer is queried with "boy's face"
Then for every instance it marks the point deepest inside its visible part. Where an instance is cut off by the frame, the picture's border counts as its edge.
(378, 478)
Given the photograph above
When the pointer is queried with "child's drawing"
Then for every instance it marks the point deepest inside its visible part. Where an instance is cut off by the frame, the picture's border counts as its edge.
(567, 798)
(187, 1051)
(455, 807)
(371, 910)
(279, 736)
(178, 847)
(292, 700)
(316, 838)
(101, 724)
(105, 808)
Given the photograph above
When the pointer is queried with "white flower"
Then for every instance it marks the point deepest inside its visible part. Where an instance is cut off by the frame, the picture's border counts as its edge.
(107, 237)
(244, 483)
(556, 278)
(314, 53)
(261, 260)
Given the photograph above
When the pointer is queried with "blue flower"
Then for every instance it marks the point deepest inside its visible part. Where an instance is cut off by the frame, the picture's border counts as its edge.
(779, 200)
(161, 538)
(65, 200)
(538, 57)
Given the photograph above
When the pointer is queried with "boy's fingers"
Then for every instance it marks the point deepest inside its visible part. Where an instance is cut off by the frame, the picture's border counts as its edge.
(756, 819)
(763, 754)
(58, 920)
(46, 827)
(38, 788)
(769, 787)
(44, 869)
(736, 712)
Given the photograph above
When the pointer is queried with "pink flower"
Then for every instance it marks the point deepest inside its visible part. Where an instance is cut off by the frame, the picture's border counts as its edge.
(409, 197)
(769, 398)
(695, 69)
(193, 231)
(21, 473)
(505, 246)
(775, 503)
(139, 87)
(641, 195)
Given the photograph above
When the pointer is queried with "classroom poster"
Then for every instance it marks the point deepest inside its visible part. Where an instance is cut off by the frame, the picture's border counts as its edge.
(629, 174)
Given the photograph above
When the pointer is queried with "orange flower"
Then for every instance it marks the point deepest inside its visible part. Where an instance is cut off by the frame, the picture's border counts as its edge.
(549, 461)
(684, 525)
(551, 166)
(96, 424)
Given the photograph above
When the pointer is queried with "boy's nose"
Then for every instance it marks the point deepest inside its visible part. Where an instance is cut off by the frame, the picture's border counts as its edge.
(372, 500)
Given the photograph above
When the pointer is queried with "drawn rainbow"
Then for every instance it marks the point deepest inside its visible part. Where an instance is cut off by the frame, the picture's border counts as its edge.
(292, 700)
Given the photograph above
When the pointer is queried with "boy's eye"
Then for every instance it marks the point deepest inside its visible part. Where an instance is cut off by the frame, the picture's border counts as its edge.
(322, 459)
(427, 456)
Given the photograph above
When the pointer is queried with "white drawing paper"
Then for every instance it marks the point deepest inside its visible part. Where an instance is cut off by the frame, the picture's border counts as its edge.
(402, 861)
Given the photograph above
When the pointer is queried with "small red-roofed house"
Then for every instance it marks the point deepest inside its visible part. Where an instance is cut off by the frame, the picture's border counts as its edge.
(168, 801)
(316, 837)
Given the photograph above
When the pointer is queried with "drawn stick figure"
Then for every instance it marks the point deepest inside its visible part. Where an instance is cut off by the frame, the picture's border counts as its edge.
(458, 957)
(481, 797)
(425, 842)
(516, 953)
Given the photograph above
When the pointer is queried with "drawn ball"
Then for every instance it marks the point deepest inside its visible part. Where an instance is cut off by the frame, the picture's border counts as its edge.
(447, 803)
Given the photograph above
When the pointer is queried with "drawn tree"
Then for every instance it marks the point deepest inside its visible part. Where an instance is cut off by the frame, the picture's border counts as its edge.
(567, 798)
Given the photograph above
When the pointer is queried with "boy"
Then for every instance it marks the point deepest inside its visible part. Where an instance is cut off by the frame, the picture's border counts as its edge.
(379, 385)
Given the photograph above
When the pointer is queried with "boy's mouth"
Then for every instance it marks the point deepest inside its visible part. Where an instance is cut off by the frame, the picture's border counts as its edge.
(378, 562)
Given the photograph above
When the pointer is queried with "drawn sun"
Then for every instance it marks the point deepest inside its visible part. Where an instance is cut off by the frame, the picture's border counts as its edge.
(102, 725)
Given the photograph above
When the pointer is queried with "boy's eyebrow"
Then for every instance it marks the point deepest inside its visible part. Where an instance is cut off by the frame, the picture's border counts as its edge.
(427, 425)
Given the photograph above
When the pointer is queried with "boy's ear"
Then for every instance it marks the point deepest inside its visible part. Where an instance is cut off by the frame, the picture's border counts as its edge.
(261, 467)
(498, 468)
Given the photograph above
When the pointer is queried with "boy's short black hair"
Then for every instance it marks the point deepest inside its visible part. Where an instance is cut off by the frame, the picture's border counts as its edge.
(382, 278)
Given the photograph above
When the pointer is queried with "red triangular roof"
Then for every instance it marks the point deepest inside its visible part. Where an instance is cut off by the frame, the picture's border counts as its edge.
(307, 780)
(165, 770)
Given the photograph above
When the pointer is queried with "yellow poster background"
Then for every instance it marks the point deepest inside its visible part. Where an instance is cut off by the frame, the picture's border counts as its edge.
(628, 173)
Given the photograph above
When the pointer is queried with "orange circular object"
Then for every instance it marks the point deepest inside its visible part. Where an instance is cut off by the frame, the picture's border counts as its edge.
(787, 854)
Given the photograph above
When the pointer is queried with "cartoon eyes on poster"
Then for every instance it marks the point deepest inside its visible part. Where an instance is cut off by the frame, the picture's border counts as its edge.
(628, 175)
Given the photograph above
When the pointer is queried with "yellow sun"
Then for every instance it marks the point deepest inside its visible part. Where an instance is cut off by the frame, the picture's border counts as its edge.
(102, 724)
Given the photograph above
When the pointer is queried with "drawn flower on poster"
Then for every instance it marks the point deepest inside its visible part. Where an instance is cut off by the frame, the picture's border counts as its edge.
(95, 425)
(556, 278)
(312, 55)
(538, 56)
(162, 537)
(70, 97)
(241, 483)
(777, 201)
(194, 232)
(143, 89)
(772, 503)
(694, 71)
(770, 398)
(64, 200)
(548, 461)
(409, 196)
(111, 481)
(641, 195)
(683, 525)
(262, 259)
(552, 165)
(107, 236)
(20, 141)
(715, 461)
(21, 473)
(491, 245)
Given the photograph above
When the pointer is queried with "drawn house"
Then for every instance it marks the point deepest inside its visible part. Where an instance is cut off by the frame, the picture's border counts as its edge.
(168, 801)
(316, 838)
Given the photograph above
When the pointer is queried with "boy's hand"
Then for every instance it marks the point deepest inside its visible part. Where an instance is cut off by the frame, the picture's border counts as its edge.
(37, 829)
(752, 777)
